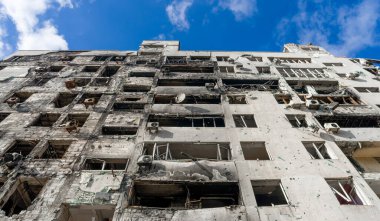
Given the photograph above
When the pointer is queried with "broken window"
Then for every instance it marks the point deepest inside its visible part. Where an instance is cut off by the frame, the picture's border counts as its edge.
(56, 149)
(79, 118)
(306, 87)
(23, 195)
(297, 120)
(200, 58)
(46, 120)
(18, 97)
(263, 70)
(222, 58)
(243, 84)
(342, 99)
(81, 82)
(188, 121)
(90, 69)
(127, 105)
(56, 68)
(39, 81)
(254, 151)
(118, 58)
(244, 121)
(188, 151)
(333, 64)
(100, 82)
(23, 147)
(253, 58)
(66, 58)
(89, 99)
(237, 99)
(136, 88)
(64, 99)
(283, 98)
(119, 130)
(347, 121)
(86, 212)
(176, 60)
(28, 58)
(185, 195)
(269, 192)
(303, 72)
(184, 82)
(100, 58)
(189, 99)
(3, 116)
(347, 192)
(105, 164)
(367, 89)
(142, 74)
(226, 69)
(291, 60)
(110, 71)
(317, 150)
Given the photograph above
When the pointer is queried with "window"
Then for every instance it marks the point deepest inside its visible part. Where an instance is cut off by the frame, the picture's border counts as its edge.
(100, 58)
(253, 58)
(297, 120)
(367, 89)
(333, 64)
(66, 58)
(136, 88)
(185, 195)
(244, 121)
(109, 71)
(226, 69)
(18, 97)
(39, 81)
(263, 70)
(27, 190)
(90, 69)
(79, 119)
(23, 147)
(100, 82)
(56, 149)
(317, 150)
(142, 74)
(184, 82)
(46, 120)
(105, 164)
(254, 151)
(56, 68)
(283, 98)
(222, 58)
(243, 84)
(188, 121)
(118, 58)
(237, 99)
(86, 212)
(64, 99)
(292, 60)
(310, 48)
(119, 130)
(351, 121)
(199, 58)
(188, 151)
(269, 192)
(89, 99)
(303, 72)
(189, 99)
(347, 192)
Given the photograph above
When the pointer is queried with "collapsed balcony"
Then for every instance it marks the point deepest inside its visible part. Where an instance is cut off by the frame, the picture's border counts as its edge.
(185, 82)
(188, 151)
(183, 64)
(304, 88)
(188, 121)
(182, 195)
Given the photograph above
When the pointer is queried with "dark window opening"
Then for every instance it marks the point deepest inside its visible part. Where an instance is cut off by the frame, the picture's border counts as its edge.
(347, 192)
(128, 106)
(46, 120)
(367, 89)
(269, 192)
(297, 120)
(222, 58)
(226, 69)
(142, 74)
(200, 58)
(100, 58)
(90, 69)
(110, 71)
(237, 99)
(64, 99)
(291, 60)
(18, 97)
(101, 82)
(244, 121)
(38, 81)
(78, 119)
(333, 64)
(56, 149)
(56, 68)
(261, 85)
(317, 150)
(81, 82)
(119, 130)
(263, 70)
(66, 58)
(188, 121)
(3, 116)
(28, 58)
(283, 98)
(347, 99)
(188, 99)
(185, 195)
(23, 147)
(118, 58)
(136, 88)
(303, 72)
(188, 151)
(89, 99)
(86, 212)
(253, 58)
(184, 82)
(306, 87)
(254, 151)
(351, 121)
(23, 196)
(105, 164)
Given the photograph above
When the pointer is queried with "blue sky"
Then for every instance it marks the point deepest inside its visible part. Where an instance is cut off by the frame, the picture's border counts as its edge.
(345, 27)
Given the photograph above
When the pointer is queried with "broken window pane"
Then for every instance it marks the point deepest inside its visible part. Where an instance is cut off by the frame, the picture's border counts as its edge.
(317, 150)
(347, 192)
(105, 164)
(269, 192)
(188, 121)
(46, 119)
(297, 120)
(254, 151)
(244, 121)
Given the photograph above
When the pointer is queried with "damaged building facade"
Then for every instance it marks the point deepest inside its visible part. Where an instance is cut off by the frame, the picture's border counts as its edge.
(166, 134)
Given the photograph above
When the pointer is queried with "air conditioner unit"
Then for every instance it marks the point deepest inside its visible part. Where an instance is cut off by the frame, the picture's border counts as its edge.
(332, 127)
(153, 127)
(209, 86)
(313, 104)
(145, 160)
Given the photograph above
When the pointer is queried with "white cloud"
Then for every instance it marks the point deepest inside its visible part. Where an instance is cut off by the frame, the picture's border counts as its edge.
(33, 33)
(240, 8)
(176, 12)
(343, 30)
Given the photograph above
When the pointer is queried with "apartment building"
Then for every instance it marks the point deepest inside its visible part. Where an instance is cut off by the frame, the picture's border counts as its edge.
(166, 134)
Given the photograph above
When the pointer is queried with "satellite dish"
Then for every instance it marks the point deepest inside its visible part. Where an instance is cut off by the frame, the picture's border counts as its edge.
(180, 98)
